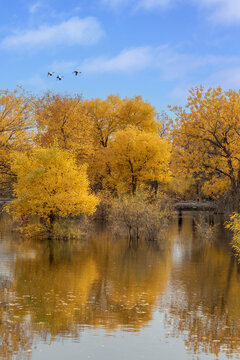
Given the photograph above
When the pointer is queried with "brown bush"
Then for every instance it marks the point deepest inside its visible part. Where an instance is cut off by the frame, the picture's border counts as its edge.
(140, 216)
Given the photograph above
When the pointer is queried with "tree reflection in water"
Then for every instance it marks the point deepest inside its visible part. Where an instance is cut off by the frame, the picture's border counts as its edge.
(97, 283)
(205, 304)
(16, 335)
(57, 289)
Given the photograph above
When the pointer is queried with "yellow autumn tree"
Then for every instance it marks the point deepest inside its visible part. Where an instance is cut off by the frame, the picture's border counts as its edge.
(50, 184)
(109, 116)
(64, 120)
(206, 141)
(16, 123)
(182, 187)
(115, 114)
(136, 157)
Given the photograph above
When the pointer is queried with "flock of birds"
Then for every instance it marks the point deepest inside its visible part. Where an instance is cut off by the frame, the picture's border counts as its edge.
(60, 77)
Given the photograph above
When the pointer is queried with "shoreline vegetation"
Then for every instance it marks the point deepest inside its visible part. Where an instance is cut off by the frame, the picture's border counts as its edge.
(65, 157)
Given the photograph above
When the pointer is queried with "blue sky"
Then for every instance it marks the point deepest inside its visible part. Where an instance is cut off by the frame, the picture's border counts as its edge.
(154, 48)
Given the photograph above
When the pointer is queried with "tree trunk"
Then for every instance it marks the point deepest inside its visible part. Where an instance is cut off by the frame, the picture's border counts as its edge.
(134, 184)
(51, 221)
(235, 199)
(155, 186)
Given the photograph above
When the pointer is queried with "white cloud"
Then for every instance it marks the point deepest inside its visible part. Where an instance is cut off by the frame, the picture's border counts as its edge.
(62, 67)
(136, 4)
(228, 77)
(115, 3)
(74, 31)
(171, 63)
(225, 73)
(34, 7)
(222, 11)
(151, 4)
(128, 60)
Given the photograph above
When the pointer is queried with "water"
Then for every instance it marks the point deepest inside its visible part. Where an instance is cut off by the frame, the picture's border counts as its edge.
(103, 299)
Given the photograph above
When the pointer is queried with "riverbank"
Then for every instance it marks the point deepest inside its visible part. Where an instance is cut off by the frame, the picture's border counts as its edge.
(181, 205)
(195, 205)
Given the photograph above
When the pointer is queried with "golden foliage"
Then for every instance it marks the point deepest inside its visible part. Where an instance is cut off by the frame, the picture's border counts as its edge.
(16, 123)
(182, 186)
(207, 137)
(136, 157)
(234, 226)
(50, 184)
(115, 114)
(64, 120)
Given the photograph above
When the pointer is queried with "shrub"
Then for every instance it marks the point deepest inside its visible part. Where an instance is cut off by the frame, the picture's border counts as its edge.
(234, 226)
(140, 216)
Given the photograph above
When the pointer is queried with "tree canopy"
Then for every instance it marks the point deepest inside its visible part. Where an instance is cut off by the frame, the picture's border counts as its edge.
(206, 140)
(136, 157)
(16, 123)
(49, 184)
(114, 114)
(64, 120)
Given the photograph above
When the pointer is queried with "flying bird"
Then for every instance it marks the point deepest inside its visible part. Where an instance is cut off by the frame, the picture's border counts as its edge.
(59, 77)
(76, 72)
(50, 73)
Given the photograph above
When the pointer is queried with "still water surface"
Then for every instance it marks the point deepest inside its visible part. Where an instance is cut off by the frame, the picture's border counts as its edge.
(103, 299)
